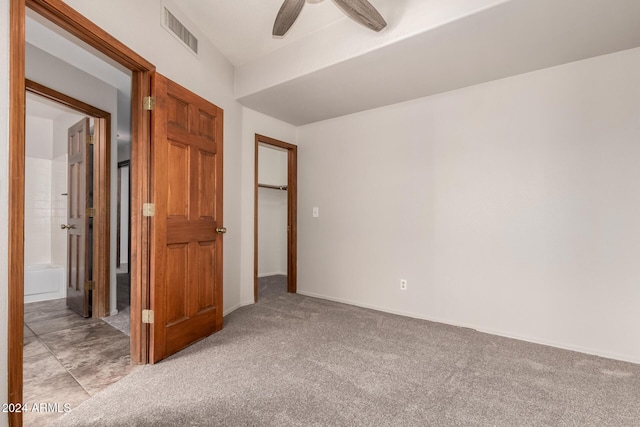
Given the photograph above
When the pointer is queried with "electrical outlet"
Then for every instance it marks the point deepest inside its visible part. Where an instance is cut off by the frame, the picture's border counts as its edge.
(403, 285)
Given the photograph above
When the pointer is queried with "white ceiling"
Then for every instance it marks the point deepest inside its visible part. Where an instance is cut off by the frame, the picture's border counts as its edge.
(43, 108)
(329, 66)
(512, 38)
(241, 30)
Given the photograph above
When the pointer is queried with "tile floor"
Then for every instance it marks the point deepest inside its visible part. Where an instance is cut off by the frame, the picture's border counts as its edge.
(68, 359)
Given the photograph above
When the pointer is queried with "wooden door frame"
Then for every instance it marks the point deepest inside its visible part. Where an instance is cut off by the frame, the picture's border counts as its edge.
(292, 213)
(101, 193)
(142, 72)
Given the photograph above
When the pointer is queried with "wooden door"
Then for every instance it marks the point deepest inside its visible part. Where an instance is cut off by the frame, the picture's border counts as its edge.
(186, 258)
(77, 226)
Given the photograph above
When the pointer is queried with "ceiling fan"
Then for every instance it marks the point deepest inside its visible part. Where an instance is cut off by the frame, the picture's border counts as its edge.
(360, 10)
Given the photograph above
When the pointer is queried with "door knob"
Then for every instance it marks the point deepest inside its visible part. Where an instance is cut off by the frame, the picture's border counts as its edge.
(67, 226)
(221, 230)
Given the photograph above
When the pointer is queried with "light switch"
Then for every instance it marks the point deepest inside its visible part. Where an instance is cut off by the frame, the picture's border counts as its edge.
(316, 212)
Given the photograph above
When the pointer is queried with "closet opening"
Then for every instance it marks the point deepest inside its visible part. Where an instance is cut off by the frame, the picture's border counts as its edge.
(275, 225)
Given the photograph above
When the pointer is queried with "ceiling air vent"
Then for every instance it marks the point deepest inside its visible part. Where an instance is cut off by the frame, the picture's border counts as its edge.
(171, 23)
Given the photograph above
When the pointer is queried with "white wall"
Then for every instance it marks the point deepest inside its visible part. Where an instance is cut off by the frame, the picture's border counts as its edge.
(254, 123)
(38, 137)
(59, 208)
(37, 211)
(272, 212)
(61, 125)
(272, 165)
(272, 232)
(45, 182)
(511, 207)
(4, 199)
(38, 191)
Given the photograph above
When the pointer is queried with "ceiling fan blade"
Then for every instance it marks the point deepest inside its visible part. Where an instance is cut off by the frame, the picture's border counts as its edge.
(363, 12)
(287, 15)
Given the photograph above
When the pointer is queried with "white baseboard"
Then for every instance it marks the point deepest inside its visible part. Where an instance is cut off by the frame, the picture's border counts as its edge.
(271, 274)
(579, 349)
(47, 296)
(235, 307)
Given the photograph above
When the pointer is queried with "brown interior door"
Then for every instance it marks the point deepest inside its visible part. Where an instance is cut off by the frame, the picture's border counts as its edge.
(186, 258)
(77, 225)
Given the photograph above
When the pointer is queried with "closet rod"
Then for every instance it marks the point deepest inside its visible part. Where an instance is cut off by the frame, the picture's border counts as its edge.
(274, 187)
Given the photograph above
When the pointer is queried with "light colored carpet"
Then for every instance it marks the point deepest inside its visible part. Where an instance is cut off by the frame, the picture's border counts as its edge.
(291, 360)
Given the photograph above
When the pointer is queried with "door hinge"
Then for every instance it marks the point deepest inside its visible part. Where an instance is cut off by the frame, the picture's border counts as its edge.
(91, 212)
(148, 209)
(147, 316)
(91, 139)
(148, 103)
(88, 285)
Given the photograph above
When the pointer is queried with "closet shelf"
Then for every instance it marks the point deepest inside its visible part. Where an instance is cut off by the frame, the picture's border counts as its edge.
(273, 187)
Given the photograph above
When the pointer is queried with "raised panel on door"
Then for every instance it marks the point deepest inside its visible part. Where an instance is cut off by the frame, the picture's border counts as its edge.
(177, 274)
(206, 295)
(178, 180)
(206, 182)
(186, 273)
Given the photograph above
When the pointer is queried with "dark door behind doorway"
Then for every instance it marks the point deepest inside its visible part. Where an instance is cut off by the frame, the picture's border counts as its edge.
(77, 226)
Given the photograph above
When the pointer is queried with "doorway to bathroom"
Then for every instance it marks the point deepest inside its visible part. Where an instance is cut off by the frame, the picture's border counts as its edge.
(68, 349)
(66, 205)
(46, 199)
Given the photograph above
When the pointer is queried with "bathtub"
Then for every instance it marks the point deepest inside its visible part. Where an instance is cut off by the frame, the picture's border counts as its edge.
(44, 282)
